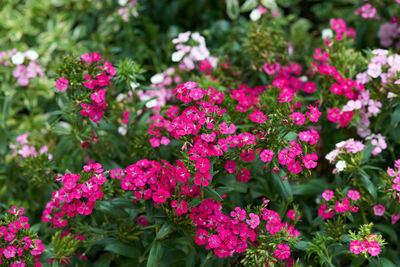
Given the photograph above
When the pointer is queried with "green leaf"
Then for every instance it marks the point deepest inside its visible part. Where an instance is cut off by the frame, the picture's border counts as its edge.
(122, 203)
(123, 249)
(165, 229)
(282, 186)
(232, 8)
(358, 261)
(211, 193)
(248, 5)
(395, 117)
(3, 141)
(290, 136)
(269, 4)
(302, 245)
(365, 179)
(108, 208)
(102, 263)
(367, 153)
(386, 262)
(195, 202)
(387, 230)
(155, 255)
(312, 187)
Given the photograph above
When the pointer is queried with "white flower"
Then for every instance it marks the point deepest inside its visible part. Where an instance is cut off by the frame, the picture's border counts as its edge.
(18, 58)
(170, 71)
(122, 2)
(134, 85)
(177, 56)
(183, 37)
(31, 55)
(340, 165)
(374, 70)
(255, 14)
(303, 78)
(120, 97)
(340, 144)
(152, 103)
(391, 95)
(122, 130)
(157, 78)
(327, 33)
(332, 155)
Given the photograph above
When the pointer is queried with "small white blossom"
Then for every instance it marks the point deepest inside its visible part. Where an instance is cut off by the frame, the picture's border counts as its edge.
(18, 58)
(327, 33)
(340, 165)
(31, 55)
(157, 78)
(255, 14)
(177, 56)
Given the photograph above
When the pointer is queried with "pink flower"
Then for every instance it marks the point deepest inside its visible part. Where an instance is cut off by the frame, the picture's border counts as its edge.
(248, 155)
(324, 212)
(214, 241)
(309, 87)
(142, 221)
(266, 155)
(356, 247)
(334, 114)
(203, 165)
(379, 210)
(258, 116)
(298, 118)
(62, 84)
(309, 161)
(293, 215)
(254, 220)
(395, 218)
(9, 252)
(282, 251)
(155, 142)
(353, 194)
(314, 114)
(230, 166)
(243, 175)
(342, 206)
(327, 195)
(374, 248)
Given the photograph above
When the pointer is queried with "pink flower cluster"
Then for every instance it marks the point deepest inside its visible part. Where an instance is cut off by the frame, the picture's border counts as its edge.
(25, 65)
(389, 33)
(163, 82)
(367, 11)
(369, 245)
(128, 9)
(218, 232)
(341, 29)
(382, 65)
(23, 149)
(77, 195)
(379, 143)
(188, 54)
(343, 148)
(348, 88)
(327, 210)
(175, 186)
(18, 246)
(98, 84)
(394, 173)
(214, 139)
(228, 236)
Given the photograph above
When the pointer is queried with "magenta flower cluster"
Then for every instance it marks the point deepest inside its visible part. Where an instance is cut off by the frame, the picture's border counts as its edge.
(18, 248)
